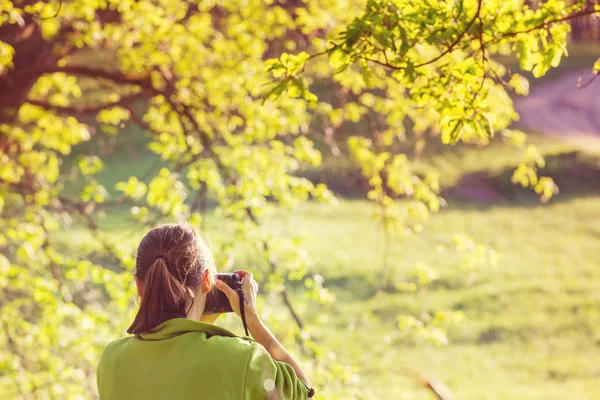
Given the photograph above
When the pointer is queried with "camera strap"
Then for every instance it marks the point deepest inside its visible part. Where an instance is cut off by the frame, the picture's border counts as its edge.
(242, 309)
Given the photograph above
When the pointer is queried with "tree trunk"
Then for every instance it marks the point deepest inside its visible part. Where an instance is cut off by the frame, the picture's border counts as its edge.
(32, 52)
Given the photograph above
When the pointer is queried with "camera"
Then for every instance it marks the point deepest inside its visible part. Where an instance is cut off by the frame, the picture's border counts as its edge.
(216, 301)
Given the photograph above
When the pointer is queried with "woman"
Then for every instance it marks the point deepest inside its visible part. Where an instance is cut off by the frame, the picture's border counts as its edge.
(176, 352)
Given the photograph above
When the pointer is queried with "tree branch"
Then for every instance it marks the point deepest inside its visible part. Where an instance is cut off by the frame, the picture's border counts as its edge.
(12, 346)
(546, 23)
(483, 59)
(289, 305)
(126, 100)
(142, 80)
(453, 44)
(85, 210)
(385, 64)
(139, 121)
(433, 384)
(589, 81)
(448, 50)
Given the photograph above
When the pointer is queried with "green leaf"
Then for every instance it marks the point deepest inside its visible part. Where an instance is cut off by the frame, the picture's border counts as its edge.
(451, 131)
(132, 188)
(309, 96)
(338, 59)
(520, 84)
(366, 72)
(524, 54)
(90, 165)
(487, 126)
(296, 89)
(276, 91)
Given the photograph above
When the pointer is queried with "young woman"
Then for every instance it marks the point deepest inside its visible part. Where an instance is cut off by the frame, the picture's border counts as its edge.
(175, 351)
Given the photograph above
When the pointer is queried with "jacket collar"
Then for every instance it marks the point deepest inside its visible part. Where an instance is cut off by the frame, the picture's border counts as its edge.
(179, 326)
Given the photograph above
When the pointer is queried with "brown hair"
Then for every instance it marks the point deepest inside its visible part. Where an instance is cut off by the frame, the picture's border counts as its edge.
(171, 261)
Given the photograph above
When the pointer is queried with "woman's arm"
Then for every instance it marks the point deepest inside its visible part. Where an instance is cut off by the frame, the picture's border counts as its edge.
(257, 328)
(263, 335)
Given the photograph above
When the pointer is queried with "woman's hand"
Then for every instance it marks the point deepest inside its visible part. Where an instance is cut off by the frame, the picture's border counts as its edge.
(249, 288)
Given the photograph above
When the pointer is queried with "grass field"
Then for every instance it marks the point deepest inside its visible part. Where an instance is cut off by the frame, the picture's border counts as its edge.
(530, 328)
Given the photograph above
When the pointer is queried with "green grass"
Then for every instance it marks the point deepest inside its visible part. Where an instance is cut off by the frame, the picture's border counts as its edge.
(531, 320)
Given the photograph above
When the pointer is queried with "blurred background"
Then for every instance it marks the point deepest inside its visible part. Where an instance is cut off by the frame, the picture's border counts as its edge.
(496, 294)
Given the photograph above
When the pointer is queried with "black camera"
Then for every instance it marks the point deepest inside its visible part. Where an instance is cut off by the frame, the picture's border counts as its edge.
(216, 301)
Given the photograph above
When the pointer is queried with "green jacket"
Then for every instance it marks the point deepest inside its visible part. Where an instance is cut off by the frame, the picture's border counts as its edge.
(184, 359)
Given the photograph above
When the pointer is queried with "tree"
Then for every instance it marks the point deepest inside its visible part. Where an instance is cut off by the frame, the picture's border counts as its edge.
(193, 76)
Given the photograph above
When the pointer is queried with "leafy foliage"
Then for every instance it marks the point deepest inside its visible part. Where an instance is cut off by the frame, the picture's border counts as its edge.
(198, 72)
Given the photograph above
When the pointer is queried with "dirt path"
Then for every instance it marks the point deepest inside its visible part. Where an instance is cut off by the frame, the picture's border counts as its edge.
(558, 108)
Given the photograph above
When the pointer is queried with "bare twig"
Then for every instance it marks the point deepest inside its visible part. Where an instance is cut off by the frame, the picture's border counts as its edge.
(85, 210)
(588, 82)
(433, 384)
(483, 59)
(290, 306)
(385, 64)
(500, 79)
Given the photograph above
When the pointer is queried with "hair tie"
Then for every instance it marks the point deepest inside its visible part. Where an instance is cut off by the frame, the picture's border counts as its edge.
(165, 258)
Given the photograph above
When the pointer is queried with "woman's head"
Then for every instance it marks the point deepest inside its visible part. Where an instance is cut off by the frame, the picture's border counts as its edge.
(173, 266)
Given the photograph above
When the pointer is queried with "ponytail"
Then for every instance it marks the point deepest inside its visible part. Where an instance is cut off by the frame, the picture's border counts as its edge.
(164, 296)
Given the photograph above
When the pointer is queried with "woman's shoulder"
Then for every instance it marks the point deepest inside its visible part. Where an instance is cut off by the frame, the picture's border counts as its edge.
(232, 346)
(113, 348)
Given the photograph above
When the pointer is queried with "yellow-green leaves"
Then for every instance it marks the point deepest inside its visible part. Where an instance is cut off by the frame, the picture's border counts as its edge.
(520, 84)
(431, 328)
(304, 151)
(113, 116)
(90, 165)
(526, 48)
(6, 55)
(132, 188)
(451, 129)
(288, 67)
(403, 199)
(526, 174)
(287, 64)
(165, 192)
(339, 59)
(515, 137)
(93, 192)
(546, 188)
